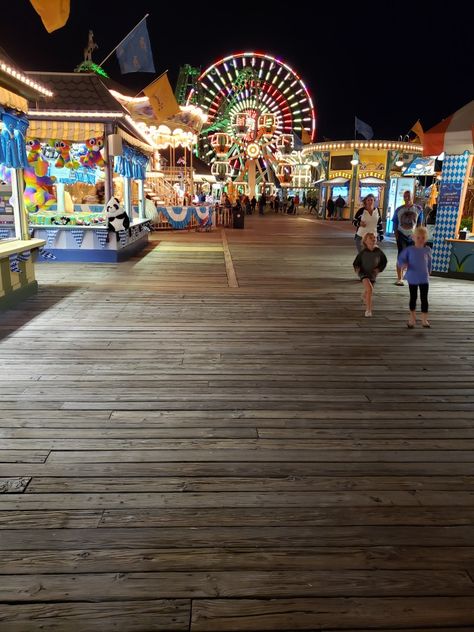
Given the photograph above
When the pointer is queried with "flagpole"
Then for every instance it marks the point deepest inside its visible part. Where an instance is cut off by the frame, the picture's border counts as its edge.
(123, 40)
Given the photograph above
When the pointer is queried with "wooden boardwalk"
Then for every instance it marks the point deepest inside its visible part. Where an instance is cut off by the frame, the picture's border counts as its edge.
(212, 437)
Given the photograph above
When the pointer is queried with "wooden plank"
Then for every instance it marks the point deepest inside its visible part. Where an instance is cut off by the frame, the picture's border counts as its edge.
(229, 264)
(120, 560)
(223, 615)
(215, 483)
(46, 519)
(202, 537)
(23, 456)
(111, 587)
(125, 616)
(239, 500)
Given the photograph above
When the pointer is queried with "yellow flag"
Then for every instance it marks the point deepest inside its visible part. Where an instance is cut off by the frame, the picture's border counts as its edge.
(305, 137)
(418, 130)
(53, 13)
(162, 99)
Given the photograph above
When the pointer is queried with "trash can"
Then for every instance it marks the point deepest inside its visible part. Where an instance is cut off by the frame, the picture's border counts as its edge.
(238, 218)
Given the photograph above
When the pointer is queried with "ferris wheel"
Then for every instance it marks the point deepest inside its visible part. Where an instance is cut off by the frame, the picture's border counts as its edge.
(258, 109)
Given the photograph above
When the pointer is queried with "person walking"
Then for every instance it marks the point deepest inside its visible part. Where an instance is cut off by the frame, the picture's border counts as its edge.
(247, 205)
(368, 264)
(405, 219)
(261, 204)
(276, 203)
(253, 204)
(330, 206)
(339, 204)
(415, 260)
(368, 220)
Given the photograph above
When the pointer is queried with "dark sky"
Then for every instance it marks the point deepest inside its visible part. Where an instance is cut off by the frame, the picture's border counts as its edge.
(388, 63)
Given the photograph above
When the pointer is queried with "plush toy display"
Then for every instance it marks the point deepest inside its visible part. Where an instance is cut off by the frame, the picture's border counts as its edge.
(117, 218)
(38, 193)
(35, 157)
(64, 159)
(93, 157)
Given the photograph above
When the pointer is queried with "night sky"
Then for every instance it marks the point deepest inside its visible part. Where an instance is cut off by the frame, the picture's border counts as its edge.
(387, 63)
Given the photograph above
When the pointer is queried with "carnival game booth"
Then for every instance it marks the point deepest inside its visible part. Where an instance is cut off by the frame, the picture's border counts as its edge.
(355, 169)
(82, 150)
(453, 245)
(17, 249)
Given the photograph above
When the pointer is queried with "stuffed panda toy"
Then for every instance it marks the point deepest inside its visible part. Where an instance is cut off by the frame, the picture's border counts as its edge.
(117, 218)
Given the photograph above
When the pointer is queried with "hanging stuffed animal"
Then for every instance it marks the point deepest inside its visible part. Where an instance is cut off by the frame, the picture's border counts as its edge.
(64, 159)
(93, 157)
(117, 218)
(35, 157)
(38, 195)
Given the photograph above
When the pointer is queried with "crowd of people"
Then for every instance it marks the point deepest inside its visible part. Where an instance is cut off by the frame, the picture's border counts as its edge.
(414, 256)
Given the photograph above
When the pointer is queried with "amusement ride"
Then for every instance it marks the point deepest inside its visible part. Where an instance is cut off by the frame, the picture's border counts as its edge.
(258, 111)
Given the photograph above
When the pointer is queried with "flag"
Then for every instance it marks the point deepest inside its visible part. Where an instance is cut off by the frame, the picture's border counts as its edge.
(162, 99)
(305, 137)
(53, 13)
(134, 53)
(363, 129)
(417, 129)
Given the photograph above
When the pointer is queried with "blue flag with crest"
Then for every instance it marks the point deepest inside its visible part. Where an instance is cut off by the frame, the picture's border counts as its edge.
(134, 53)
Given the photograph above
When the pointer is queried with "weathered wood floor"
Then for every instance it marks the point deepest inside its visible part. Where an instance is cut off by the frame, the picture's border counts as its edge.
(181, 454)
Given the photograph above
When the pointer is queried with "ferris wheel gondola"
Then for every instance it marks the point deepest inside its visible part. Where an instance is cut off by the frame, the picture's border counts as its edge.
(258, 108)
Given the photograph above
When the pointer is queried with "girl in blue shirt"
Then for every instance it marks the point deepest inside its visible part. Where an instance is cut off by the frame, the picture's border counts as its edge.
(416, 261)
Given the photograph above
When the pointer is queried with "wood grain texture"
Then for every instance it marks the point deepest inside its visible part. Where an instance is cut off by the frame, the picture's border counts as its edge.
(212, 437)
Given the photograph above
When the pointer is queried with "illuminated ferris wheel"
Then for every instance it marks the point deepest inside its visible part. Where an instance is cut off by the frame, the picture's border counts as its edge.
(258, 108)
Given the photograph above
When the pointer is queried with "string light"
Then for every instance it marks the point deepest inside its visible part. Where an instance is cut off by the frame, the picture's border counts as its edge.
(67, 114)
(25, 79)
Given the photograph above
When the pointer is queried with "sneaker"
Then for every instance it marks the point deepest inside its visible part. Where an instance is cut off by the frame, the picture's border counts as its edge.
(399, 283)
(368, 314)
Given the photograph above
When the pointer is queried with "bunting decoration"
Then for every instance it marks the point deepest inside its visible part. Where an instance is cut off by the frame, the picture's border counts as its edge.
(5, 233)
(45, 254)
(123, 237)
(14, 264)
(78, 235)
(102, 237)
(24, 256)
(51, 236)
(180, 216)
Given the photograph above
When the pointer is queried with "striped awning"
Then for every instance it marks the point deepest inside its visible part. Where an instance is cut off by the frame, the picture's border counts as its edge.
(11, 100)
(65, 130)
(454, 135)
(134, 142)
